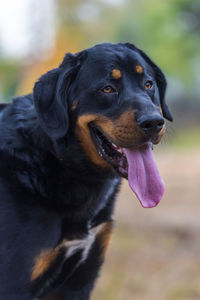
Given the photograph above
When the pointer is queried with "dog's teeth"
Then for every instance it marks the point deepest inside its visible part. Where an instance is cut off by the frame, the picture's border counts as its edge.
(151, 145)
(119, 150)
(114, 146)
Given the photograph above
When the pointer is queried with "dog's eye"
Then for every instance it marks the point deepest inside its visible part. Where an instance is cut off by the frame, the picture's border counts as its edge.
(148, 84)
(108, 89)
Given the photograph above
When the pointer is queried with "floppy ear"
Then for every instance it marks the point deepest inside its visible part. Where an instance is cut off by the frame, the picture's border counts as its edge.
(160, 80)
(50, 97)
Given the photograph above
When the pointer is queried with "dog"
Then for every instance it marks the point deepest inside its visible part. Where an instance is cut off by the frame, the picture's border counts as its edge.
(63, 151)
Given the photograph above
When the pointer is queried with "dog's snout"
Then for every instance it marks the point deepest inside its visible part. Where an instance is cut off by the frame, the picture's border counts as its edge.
(151, 123)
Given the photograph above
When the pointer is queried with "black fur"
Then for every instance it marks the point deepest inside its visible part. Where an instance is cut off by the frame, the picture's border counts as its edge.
(50, 190)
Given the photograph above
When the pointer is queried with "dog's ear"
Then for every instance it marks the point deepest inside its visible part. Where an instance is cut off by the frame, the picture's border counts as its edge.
(160, 80)
(50, 96)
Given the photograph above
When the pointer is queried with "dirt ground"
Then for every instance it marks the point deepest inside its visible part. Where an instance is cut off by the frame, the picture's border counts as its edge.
(155, 253)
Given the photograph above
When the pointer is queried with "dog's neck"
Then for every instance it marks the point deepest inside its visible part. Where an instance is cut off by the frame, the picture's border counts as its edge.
(53, 169)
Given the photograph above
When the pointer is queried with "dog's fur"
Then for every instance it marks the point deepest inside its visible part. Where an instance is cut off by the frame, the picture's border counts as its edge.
(57, 192)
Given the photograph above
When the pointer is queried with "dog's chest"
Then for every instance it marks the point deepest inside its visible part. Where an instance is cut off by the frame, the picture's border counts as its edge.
(56, 265)
(107, 192)
(77, 243)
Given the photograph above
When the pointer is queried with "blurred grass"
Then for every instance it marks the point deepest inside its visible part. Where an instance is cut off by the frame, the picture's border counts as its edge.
(145, 265)
(183, 292)
(10, 75)
(186, 138)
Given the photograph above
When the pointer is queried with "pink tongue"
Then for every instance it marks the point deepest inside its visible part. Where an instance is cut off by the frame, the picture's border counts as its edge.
(144, 177)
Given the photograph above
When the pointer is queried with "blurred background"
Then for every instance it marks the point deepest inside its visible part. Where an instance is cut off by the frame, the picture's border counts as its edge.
(154, 253)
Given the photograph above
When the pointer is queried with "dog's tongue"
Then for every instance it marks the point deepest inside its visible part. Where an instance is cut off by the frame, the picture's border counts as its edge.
(144, 177)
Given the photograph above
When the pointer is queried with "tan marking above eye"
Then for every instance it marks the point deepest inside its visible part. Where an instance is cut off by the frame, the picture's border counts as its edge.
(116, 74)
(139, 69)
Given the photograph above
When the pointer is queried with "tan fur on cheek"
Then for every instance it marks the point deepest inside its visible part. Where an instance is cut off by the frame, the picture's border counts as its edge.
(127, 130)
(84, 136)
(122, 128)
(123, 131)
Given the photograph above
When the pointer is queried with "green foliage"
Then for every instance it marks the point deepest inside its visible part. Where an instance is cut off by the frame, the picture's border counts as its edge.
(187, 138)
(167, 30)
(9, 78)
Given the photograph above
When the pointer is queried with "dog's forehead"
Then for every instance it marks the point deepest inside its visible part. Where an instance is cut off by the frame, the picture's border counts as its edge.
(102, 59)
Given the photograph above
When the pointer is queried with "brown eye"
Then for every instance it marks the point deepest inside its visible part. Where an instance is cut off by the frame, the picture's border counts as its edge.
(148, 84)
(108, 89)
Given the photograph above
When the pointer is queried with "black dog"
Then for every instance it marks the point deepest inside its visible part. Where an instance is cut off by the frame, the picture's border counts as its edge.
(63, 150)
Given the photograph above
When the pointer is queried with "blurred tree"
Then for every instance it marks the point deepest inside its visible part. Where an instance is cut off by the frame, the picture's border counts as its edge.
(167, 30)
(10, 75)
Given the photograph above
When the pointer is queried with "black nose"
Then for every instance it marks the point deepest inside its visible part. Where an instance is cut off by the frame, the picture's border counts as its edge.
(151, 123)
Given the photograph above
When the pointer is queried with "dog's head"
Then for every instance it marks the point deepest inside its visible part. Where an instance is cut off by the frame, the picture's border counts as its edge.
(115, 96)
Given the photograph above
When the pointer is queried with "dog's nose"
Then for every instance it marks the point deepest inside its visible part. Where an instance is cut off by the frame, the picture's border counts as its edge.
(151, 123)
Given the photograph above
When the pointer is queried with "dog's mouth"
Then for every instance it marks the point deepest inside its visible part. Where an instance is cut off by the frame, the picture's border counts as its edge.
(109, 151)
(136, 165)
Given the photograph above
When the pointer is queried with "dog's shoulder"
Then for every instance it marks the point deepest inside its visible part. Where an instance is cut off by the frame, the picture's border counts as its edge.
(13, 117)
